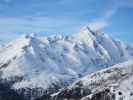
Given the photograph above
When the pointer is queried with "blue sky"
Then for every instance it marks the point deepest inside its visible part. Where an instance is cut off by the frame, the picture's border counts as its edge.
(65, 16)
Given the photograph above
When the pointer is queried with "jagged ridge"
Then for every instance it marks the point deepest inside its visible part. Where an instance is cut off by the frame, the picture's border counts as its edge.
(57, 61)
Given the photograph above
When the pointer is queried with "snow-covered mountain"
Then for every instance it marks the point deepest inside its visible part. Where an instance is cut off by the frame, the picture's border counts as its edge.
(55, 61)
(114, 83)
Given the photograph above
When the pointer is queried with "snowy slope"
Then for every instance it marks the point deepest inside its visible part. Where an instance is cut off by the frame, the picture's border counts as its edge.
(59, 60)
(114, 83)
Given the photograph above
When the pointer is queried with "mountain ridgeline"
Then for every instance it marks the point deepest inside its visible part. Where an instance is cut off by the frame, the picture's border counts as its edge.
(40, 66)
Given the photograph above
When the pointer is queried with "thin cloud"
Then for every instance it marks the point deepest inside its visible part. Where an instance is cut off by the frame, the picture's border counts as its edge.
(98, 24)
(103, 21)
(37, 25)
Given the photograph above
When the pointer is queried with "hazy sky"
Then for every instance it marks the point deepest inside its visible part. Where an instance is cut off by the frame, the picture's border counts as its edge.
(66, 16)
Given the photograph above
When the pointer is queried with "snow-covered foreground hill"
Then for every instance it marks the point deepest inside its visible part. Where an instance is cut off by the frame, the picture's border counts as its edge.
(114, 83)
(36, 66)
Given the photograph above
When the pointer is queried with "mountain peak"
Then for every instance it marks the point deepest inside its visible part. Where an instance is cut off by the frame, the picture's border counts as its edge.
(90, 30)
(86, 35)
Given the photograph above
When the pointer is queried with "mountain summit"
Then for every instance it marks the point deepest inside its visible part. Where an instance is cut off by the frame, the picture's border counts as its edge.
(52, 62)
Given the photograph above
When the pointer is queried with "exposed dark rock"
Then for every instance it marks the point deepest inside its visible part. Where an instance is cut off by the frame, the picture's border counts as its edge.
(6, 93)
(103, 95)
(76, 94)
(5, 64)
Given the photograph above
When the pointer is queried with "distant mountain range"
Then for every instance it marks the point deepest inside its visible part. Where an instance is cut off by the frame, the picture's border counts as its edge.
(37, 67)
